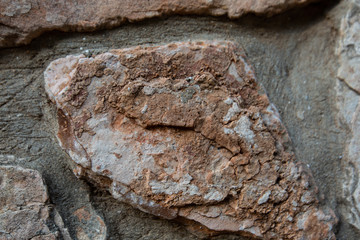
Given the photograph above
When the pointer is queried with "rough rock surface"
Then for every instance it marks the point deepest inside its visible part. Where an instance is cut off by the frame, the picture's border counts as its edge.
(24, 209)
(23, 20)
(92, 226)
(184, 130)
(348, 100)
(349, 48)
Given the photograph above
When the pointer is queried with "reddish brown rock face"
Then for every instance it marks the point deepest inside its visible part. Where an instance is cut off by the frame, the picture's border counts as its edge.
(184, 130)
(23, 20)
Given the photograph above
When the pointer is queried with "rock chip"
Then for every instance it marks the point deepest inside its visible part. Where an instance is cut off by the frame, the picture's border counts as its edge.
(24, 209)
(23, 20)
(184, 131)
(348, 101)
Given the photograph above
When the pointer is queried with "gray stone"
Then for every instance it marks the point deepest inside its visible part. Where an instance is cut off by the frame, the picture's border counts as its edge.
(348, 101)
(24, 208)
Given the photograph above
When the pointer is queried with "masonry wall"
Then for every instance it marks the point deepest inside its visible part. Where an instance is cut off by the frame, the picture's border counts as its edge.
(294, 58)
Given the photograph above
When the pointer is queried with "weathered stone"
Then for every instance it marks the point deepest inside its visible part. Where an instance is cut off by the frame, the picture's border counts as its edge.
(23, 20)
(24, 209)
(184, 130)
(348, 100)
(349, 47)
(92, 226)
(60, 223)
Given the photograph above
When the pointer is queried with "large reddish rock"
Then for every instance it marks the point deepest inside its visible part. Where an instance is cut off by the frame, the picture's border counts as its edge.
(184, 131)
(23, 20)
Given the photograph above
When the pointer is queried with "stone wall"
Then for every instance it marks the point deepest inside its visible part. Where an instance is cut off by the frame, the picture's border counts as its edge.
(283, 76)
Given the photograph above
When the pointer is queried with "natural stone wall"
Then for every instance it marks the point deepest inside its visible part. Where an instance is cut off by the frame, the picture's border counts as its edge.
(292, 54)
(22, 20)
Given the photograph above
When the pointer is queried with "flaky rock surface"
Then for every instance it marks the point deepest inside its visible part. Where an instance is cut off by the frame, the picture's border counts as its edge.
(91, 225)
(348, 100)
(23, 20)
(349, 47)
(184, 131)
(24, 209)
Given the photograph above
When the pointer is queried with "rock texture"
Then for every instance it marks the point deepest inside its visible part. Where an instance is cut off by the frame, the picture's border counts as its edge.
(349, 48)
(92, 226)
(184, 131)
(24, 208)
(348, 100)
(23, 20)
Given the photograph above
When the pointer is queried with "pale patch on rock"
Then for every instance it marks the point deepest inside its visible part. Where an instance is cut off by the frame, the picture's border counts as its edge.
(243, 129)
(233, 71)
(264, 198)
(169, 187)
(231, 112)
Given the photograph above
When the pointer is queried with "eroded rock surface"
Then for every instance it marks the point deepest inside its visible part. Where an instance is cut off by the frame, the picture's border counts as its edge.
(349, 48)
(348, 100)
(23, 20)
(24, 209)
(91, 225)
(184, 130)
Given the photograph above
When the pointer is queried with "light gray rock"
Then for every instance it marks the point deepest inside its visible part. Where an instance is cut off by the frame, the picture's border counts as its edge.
(348, 101)
(349, 47)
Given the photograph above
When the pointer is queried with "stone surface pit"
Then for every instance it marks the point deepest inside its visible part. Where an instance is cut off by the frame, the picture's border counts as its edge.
(184, 131)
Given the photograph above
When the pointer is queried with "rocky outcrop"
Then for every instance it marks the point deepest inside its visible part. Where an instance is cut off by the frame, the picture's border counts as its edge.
(185, 131)
(24, 207)
(23, 20)
(348, 100)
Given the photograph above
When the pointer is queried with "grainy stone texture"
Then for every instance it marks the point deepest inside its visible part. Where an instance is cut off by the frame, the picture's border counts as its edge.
(293, 57)
(349, 48)
(348, 100)
(184, 130)
(24, 206)
(23, 20)
(91, 225)
(26, 212)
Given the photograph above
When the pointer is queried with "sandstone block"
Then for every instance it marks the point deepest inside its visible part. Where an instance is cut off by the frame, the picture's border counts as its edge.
(184, 130)
(23, 20)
